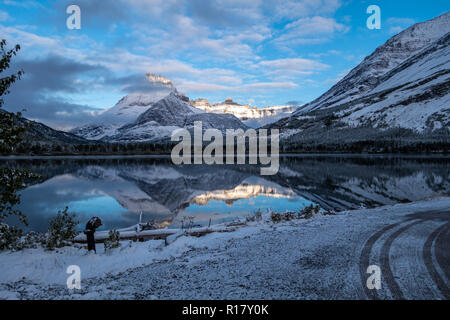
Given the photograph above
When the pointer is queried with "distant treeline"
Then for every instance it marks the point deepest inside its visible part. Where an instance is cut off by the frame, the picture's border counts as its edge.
(368, 140)
(145, 148)
(92, 148)
(370, 146)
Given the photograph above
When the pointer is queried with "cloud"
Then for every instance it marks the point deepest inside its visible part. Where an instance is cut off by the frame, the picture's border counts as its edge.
(44, 88)
(293, 66)
(310, 30)
(94, 14)
(135, 83)
(232, 14)
(267, 85)
(331, 52)
(294, 9)
(57, 74)
(117, 59)
(22, 3)
(210, 46)
(4, 16)
(294, 103)
(399, 24)
(198, 87)
(201, 87)
(185, 36)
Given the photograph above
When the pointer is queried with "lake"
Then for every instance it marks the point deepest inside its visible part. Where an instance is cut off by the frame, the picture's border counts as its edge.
(121, 190)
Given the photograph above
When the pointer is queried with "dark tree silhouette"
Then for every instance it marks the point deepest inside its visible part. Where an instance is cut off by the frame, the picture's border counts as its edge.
(11, 132)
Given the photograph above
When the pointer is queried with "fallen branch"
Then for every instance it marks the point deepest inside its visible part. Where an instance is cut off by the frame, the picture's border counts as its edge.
(133, 233)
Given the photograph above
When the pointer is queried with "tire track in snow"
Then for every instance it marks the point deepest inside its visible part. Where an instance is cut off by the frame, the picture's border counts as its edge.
(440, 235)
(364, 261)
(442, 251)
(386, 271)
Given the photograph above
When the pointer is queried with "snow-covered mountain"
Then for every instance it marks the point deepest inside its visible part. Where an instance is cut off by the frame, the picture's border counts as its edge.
(153, 116)
(404, 84)
(127, 110)
(171, 113)
(369, 73)
(414, 95)
(250, 115)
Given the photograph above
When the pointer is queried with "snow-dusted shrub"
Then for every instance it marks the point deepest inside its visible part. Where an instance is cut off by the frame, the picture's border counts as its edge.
(113, 240)
(275, 216)
(285, 216)
(33, 240)
(61, 230)
(288, 215)
(10, 237)
(316, 209)
(304, 213)
(309, 211)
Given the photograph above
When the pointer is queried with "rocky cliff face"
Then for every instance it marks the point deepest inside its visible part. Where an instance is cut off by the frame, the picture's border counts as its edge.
(251, 116)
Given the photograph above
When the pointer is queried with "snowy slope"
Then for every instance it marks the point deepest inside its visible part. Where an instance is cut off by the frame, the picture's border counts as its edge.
(415, 95)
(167, 115)
(367, 74)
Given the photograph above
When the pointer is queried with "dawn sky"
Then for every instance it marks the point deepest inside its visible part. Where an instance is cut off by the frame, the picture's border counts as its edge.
(257, 52)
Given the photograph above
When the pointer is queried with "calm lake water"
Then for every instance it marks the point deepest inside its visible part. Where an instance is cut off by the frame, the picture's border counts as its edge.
(119, 189)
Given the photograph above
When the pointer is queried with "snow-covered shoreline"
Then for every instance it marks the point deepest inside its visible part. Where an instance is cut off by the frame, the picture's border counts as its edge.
(293, 259)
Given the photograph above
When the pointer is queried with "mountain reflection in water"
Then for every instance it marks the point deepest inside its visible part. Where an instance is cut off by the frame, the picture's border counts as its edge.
(119, 189)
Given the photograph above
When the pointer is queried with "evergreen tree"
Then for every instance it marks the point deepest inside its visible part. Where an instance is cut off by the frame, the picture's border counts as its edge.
(11, 133)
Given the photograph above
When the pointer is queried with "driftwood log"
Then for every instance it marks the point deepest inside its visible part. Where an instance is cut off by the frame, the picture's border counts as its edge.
(136, 233)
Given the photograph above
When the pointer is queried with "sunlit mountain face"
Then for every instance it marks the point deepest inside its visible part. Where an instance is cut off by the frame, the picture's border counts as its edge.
(119, 190)
(250, 115)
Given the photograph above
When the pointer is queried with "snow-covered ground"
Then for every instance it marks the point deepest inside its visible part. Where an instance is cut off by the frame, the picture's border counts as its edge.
(325, 257)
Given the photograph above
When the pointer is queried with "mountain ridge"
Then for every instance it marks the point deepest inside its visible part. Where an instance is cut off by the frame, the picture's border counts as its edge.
(408, 104)
(386, 57)
(250, 115)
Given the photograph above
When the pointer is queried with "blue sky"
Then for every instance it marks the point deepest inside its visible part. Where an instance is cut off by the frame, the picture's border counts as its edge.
(257, 52)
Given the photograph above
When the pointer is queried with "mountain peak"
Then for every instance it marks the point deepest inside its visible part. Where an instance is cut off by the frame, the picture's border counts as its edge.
(159, 80)
(229, 101)
(386, 57)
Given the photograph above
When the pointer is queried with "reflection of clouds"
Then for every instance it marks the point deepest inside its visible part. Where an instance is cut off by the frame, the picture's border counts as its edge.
(84, 197)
